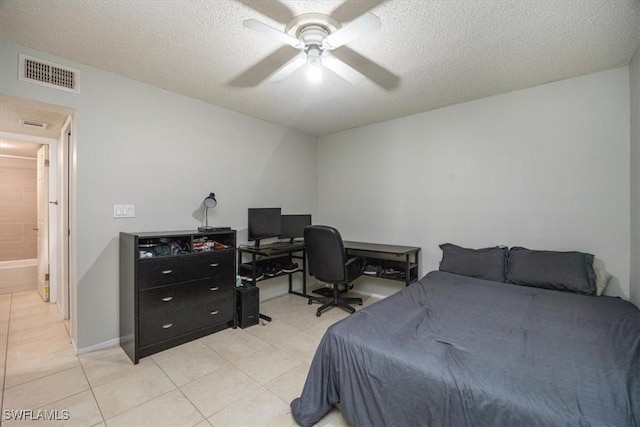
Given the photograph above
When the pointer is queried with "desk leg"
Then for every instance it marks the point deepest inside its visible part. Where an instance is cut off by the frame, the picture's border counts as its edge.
(407, 270)
(416, 260)
(304, 272)
(254, 269)
(255, 281)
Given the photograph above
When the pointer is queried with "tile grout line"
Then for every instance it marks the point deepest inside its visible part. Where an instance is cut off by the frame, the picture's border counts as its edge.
(4, 388)
(6, 353)
(180, 390)
(261, 386)
(137, 406)
(232, 362)
(84, 372)
(192, 381)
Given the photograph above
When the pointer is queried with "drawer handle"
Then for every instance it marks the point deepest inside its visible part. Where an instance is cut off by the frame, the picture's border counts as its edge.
(167, 299)
(215, 312)
(215, 288)
(215, 264)
(167, 271)
(167, 326)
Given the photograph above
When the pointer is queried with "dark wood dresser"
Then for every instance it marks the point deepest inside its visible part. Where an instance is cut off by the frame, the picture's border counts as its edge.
(174, 287)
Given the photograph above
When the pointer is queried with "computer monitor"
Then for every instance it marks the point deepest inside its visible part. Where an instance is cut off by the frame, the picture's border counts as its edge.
(293, 226)
(264, 223)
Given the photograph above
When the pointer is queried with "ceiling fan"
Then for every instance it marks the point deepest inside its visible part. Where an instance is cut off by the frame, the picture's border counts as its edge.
(315, 35)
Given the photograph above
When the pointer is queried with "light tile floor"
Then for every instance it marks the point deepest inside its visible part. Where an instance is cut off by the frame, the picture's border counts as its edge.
(241, 377)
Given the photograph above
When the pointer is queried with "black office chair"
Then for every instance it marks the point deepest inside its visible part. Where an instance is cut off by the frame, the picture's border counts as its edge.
(328, 263)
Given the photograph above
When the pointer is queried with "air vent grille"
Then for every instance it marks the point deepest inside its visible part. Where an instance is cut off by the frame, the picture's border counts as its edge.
(49, 74)
(33, 124)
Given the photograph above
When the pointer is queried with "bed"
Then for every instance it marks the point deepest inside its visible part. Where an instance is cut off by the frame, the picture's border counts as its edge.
(453, 350)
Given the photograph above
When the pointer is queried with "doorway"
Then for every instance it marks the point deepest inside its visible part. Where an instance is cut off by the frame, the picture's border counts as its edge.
(53, 224)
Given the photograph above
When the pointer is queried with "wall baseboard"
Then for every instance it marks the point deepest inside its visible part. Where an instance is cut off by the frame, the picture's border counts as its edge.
(19, 288)
(100, 346)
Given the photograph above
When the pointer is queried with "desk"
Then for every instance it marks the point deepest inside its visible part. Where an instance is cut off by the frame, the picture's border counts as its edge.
(385, 256)
(262, 257)
(403, 259)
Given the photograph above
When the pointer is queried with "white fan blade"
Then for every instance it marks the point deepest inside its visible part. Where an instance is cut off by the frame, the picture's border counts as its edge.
(287, 69)
(352, 31)
(342, 69)
(273, 32)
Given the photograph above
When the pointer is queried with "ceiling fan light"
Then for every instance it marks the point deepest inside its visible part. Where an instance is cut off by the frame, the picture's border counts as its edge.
(314, 73)
(314, 55)
(314, 64)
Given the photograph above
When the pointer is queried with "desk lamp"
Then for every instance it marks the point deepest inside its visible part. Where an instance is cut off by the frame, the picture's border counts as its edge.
(208, 202)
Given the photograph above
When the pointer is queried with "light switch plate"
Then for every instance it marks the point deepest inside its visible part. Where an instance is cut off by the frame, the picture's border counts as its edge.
(124, 211)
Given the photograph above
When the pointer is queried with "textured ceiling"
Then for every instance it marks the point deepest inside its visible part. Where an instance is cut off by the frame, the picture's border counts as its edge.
(11, 114)
(428, 54)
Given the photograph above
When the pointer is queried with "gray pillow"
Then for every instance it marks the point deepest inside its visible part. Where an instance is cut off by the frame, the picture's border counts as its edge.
(486, 263)
(562, 271)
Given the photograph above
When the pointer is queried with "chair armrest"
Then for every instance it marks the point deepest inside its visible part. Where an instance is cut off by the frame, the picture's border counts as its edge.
(355, 259)
(353, 268)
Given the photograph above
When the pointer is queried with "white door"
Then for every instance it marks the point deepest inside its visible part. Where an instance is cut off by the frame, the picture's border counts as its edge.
(43, 221)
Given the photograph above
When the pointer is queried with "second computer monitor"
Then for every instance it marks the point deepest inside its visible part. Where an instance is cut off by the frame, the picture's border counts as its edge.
(292, 226)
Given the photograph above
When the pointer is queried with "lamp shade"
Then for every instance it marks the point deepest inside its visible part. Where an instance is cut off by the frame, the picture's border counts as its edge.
(210, 201)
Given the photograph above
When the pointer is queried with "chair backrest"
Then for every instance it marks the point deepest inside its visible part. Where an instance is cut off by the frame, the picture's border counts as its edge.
(325, 253)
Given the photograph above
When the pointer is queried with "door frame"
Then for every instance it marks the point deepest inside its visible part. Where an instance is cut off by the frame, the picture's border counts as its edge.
(63, 222)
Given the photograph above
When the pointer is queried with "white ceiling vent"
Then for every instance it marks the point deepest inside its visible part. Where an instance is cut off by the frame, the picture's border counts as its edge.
(33, 124)
(48, 74)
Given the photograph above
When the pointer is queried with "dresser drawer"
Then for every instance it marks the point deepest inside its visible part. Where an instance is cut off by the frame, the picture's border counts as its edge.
(159, 300)
(164, 326)
(164, 271)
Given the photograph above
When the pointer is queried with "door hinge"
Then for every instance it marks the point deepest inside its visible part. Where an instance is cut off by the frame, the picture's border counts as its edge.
(46, 277)
(46, 162)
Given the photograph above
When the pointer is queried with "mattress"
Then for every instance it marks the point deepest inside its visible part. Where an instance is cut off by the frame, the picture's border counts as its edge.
(450, 350)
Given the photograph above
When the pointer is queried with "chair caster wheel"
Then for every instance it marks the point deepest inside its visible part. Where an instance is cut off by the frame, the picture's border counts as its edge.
(309, 302)
(318, 314)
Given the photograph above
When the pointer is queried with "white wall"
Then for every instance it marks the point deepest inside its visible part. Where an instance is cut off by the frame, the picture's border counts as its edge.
(634, 77)
(162, 152)
(545, 168)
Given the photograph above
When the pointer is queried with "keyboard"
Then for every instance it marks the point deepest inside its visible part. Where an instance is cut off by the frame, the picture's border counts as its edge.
(285, 246)
(278, 244)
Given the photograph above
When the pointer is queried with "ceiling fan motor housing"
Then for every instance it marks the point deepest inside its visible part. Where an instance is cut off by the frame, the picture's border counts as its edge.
(313, 34)
(312, 28)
